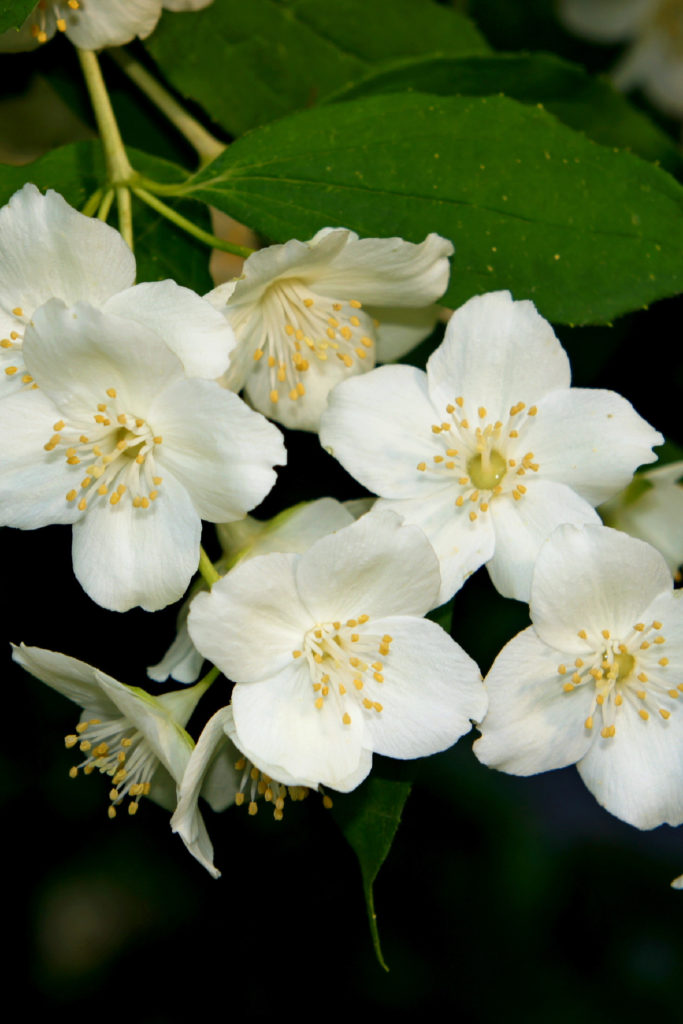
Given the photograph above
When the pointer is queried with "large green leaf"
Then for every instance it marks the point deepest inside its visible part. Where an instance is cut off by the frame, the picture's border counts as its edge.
(13, 13)
(249, 63)
(161, 249)
(369, 818)
(585, 231)
(580, 100)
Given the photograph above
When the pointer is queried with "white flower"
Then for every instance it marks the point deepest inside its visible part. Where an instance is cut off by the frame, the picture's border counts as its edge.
(92, 24)
(117, 440)
(217, 746)
(293, 530)
(489, 450)
(331, 659)
(308, 314)
(49, 250)
(138, 740)
(597, 679)
(654, 61)
(651, 508)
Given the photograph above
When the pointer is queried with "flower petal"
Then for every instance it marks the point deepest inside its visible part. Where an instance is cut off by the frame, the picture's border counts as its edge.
(591, 440)
(637, 774)
(187, 820)
(101, 23)
(217, 447)
(401, 329)
(608, 21)
(280, 729)
(379, 426)
(532, 724)
(49, 250)
(496, 352)
(33, 482)
(593, 578)
(197, 333)
(431, 690)
(378, 566)
(252, 620)
(72, 678)
(108, 351)
(386, 271)
(125, 556)
(521, 527)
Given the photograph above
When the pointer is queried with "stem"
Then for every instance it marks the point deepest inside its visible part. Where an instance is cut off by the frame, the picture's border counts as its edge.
(105, 205)
(206, 145)
(118, 166)
(206, 568)
(125, 208)
(92, 203)
(206, 682)
(182, 222)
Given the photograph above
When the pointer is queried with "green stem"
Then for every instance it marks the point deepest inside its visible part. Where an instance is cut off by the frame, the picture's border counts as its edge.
(125, 208)
(187, 225)
(118, 165)
(90, 207)
(206, 568)
(207, 146)
(105, 205)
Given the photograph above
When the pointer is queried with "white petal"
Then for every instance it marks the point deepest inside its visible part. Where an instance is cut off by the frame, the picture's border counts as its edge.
(278, 725)
(653, 63)
(125, 556)
(608, 21)
(305, 261)
(165, 736)
(637, 774)
(294, 530)
(100, 23)
(217, 447)
(593, 578)
(108, 351)
(187, 820)
(495, 353)
(49, 250)
(431, 690)
(198, 334)
(591, 440)
(185, 5)
(656, 516)
(69, 676)
(33, 482)
(378, 566)
(461, 545)
(532, 724)
(252, 620)
(388, 271)
(401, 329)
(303, 412)
(182, 660)
(379, 427)
(521, 527)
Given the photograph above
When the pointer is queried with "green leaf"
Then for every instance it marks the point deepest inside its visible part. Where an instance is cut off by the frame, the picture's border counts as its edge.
(578, 99)
(13, 13)
(369, 818)
(584, 231)
(249, 63)
(161, 250)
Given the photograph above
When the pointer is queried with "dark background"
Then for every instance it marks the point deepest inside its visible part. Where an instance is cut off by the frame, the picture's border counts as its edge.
(508, 898)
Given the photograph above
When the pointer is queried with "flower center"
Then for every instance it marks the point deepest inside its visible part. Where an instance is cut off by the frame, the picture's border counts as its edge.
(302, 327)
(255, 783)
(115, 747)
(483, 456)
(631, 670)
(61, 12)
(117, 455)
(486, 469)
(342, 660)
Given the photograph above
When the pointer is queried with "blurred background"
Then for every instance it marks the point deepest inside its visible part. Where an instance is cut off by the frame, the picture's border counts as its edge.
(504, 898)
